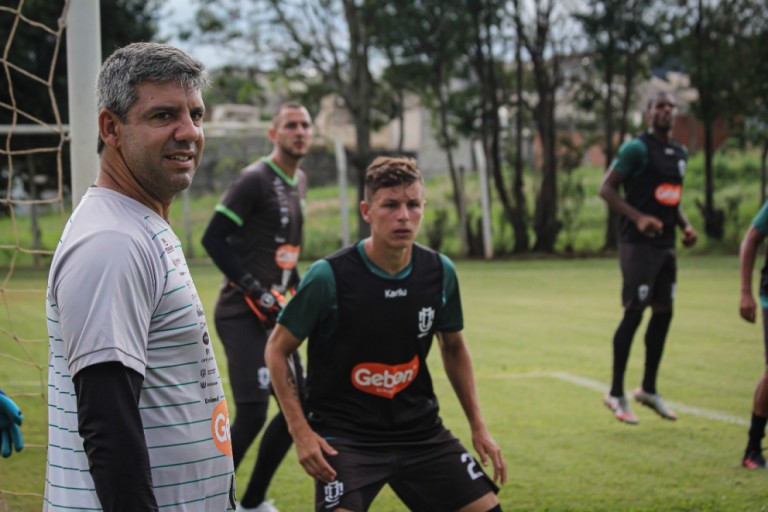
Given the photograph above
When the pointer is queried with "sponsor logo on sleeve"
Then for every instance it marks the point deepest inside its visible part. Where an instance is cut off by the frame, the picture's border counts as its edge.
(287, 256)
(220, 429)
(385, 380)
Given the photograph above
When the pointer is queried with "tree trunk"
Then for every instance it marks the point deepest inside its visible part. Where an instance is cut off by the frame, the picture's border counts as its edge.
(520, 210)
(545, 222)
(612, 218)
(456, 181)
(763, 171)
(714, 218)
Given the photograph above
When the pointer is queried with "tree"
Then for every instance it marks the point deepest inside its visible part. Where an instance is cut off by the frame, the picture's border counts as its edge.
(618, 33)
(426, 46)
(36, 59)
(520, 213)
(751, 48)
(486, 29)
(709, 41)
(321, 46)
(545, 58)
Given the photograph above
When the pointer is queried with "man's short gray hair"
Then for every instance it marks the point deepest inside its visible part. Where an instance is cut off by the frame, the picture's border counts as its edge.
(131, 65)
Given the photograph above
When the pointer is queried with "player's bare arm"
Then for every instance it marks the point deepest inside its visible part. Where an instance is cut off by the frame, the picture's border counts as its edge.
(310, 447)
(648, 225)
(747, 256)
(458, 367)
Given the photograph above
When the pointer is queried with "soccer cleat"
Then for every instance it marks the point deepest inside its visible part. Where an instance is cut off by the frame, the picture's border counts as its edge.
(655, 402)
(753, 459)
(621, 409)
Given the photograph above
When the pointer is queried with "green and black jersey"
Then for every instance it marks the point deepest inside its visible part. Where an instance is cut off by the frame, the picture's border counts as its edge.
(653, 184)
(267, 207)
(369, 337)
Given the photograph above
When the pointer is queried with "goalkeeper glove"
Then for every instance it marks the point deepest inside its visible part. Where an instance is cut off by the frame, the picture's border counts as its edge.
(265, 304)
(10, 420)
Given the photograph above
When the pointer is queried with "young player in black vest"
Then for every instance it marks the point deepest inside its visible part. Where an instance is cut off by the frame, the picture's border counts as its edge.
(651, 168)
(370, 312)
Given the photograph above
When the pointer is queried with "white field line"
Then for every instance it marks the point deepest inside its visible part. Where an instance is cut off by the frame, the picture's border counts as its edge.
(603, 388)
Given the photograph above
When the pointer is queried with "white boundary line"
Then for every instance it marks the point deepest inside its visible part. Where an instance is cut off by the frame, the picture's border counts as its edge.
(603, 388)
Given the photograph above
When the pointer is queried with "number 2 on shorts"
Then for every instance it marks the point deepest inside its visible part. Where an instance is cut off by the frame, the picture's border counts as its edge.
(467, 459)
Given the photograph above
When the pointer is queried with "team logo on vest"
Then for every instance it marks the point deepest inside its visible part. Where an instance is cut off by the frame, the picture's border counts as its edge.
(333, 493)
(220, 428)
(286, 256)
(385, 380)
(426, 317)
(263, 377)
(668, 194)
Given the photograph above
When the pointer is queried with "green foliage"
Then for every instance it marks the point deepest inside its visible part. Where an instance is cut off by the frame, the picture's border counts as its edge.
(582, 212)
(36, 57)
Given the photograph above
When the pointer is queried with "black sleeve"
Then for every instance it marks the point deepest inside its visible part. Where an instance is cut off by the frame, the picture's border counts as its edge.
(109, 422)
(295, 279)
(215, 243)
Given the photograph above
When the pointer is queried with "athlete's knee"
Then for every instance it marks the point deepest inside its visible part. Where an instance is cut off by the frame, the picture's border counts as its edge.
(632, 317)
(662, 309)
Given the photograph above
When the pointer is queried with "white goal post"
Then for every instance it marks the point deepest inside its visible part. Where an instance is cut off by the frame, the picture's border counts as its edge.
(83, 64)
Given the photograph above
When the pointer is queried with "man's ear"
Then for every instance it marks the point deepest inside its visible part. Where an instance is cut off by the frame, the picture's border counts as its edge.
(109, 128)
(365, 211)
(271, 135)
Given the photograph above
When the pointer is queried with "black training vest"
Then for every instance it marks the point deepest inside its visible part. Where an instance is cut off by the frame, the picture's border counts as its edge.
(368, 379)
(656, 191)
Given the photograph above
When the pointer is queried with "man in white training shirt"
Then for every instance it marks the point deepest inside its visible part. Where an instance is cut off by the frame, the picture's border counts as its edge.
(137, 415)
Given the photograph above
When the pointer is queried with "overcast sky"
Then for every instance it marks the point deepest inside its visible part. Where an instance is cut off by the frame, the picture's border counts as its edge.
(181, 13)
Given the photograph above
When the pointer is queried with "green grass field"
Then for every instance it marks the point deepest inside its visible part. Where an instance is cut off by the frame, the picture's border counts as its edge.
(540, 334)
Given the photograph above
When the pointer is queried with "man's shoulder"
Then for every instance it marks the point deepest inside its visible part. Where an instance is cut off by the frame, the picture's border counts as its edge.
(257, 167)
(637, 145)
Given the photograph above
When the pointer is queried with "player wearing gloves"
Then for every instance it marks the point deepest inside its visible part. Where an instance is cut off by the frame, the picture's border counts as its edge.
(254, 237)
(265, 304)
(10, 421)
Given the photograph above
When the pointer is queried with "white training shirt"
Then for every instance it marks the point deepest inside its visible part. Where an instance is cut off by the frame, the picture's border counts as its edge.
(119, 290)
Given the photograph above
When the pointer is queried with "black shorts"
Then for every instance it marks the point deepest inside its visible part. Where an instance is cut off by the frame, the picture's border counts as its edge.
(649, 274)
(244, 341)
(437, 475)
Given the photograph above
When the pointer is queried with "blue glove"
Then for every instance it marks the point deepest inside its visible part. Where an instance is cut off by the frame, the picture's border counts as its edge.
(10, 421)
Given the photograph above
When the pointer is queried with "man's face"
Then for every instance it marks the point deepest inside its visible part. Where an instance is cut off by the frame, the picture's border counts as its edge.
(291, 132)
(661, 115)
(395, 214)
(162, 138)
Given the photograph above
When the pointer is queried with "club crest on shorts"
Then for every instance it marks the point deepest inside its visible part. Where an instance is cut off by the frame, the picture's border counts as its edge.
(333, 493)
(426, 317)
(263, 377)
(642, 292)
